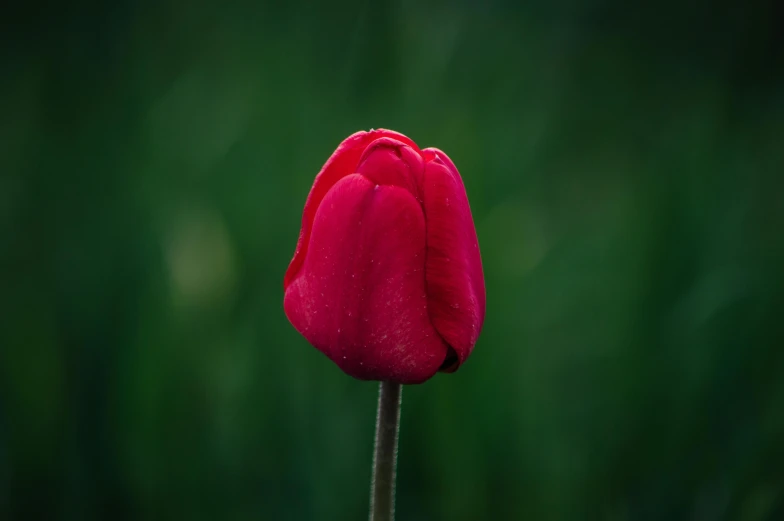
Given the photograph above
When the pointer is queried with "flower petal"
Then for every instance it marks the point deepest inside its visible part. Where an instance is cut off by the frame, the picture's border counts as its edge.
(387, 161)
(359, 296)
(455, 284)
(342, 163)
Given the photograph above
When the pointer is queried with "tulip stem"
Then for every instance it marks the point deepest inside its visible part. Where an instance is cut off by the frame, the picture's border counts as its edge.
(382, 487)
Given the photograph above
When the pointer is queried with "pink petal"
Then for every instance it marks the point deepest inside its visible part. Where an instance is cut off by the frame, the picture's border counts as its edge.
(387, 161)
(359, 296)
(455, 283)
(342, 163)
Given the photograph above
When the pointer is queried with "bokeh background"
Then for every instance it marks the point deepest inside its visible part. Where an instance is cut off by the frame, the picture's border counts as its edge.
(624, 164)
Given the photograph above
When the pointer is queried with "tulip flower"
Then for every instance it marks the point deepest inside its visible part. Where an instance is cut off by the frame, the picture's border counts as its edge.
(387, 278)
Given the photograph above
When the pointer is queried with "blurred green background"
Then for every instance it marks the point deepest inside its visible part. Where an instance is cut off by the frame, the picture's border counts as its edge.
(624, 166)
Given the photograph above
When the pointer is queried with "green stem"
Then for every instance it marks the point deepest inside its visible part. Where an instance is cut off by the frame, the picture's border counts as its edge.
(382, 488)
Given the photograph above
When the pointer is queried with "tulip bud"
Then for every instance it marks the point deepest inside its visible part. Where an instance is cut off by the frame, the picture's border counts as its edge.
(386, 279)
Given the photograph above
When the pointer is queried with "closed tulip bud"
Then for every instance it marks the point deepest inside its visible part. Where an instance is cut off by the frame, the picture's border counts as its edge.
(386, 279)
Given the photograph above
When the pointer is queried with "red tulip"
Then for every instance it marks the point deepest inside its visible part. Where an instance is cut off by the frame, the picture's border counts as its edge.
(387, 278)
